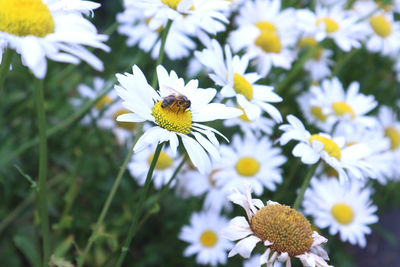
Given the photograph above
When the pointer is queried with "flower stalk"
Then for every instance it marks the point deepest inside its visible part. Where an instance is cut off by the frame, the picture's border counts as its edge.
(115, 186)
(161, 54)
(5, 66)
(304, 186)
(110, 198)
(139, 207)
(282, 86)
(44, 217)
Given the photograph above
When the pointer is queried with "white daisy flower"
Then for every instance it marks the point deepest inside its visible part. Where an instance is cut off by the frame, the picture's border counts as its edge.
(346, 210)
(266, 33)
(348, 107)
(380, 159)
(346, 160)
(175, 109)
(105, 111)
(256, 127)
(145, 32)
(194, 15)
(391, 127)
(251, 160)
(210, 185)
(88, 93)
(53, 29)
(163, 171)
(313, 111)
(383, 33)
(266, 224)
(335, 23)
(319, 65)
(204, 236)
(230, 74)
(123, 131)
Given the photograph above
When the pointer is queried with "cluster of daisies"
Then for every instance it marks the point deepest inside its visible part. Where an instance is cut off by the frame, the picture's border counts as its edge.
(347, 136)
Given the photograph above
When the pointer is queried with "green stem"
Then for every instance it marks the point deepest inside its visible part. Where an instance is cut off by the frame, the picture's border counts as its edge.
(304, 186)
(44, 217)
(66, 123)
(161, 54)
(161, 194)
(288, 180)
(340, 64)
(296, 69)
(5, 66)
(31, 197)
(139, 207)
(55, 129)
(110, 198)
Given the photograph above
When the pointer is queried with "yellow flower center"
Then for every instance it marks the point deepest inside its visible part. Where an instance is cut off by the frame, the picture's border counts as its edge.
(266, 26)
(285, 227)
(171, 3)
(381, 25)
(247, 166)
(122, 124)
(208, 238)
(310, 42)
(342, 213)
(269, 42)
(243, 117)
(164, 161)
(25, 17)
(173, 118)
(331, 25)
(104, 101)
(341, 108)
(242, 86)
(317, 113)
(329, 145)
(393, 134)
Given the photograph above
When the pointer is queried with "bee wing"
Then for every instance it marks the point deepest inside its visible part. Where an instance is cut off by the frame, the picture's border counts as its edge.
(172, 90)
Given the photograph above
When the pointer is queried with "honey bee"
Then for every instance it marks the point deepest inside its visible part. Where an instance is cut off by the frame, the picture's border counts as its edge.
(176, 101)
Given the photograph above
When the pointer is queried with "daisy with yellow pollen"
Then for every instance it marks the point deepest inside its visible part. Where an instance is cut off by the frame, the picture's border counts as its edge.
(176, 110)
(256, 127)
(194, 15)
(346, 160)
(383, 33)
(284, 232)
(206, 241)
(251, 160)
(318, 66)
(86, 93)
(230, 75)
(347, 210)
(379, 158)
(105, 112)
(347, 107)
(40, 29)
(266, 33)
(334, 22)
(163, 171)
(210, 185)
(313, 111)
(144, 31)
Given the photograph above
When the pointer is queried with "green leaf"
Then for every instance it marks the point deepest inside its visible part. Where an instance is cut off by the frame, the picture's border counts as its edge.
(27, 247)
